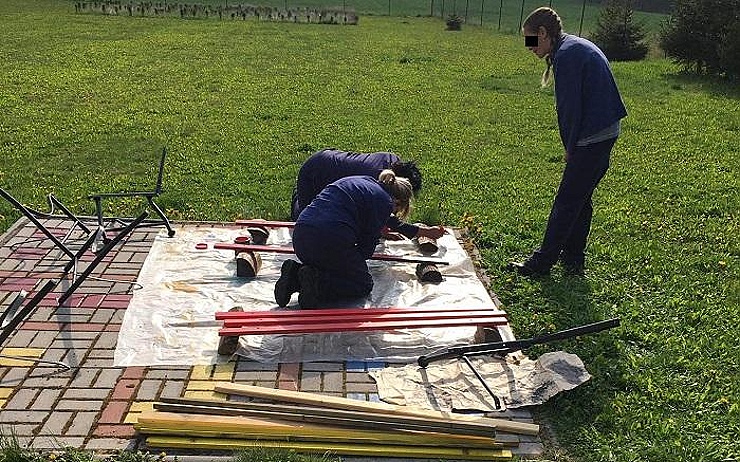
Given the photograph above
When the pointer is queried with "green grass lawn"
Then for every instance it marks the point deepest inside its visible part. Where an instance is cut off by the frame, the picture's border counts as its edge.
(87, 102)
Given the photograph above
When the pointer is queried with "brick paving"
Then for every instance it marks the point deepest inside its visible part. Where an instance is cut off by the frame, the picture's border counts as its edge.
(94, 405)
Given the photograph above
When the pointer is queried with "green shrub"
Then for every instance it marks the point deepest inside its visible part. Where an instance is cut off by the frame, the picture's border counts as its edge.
(618, 36)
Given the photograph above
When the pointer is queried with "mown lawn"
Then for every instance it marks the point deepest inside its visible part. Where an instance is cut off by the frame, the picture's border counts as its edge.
(87, 102)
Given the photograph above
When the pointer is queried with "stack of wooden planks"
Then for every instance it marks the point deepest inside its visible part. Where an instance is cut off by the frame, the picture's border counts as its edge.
(313, 423)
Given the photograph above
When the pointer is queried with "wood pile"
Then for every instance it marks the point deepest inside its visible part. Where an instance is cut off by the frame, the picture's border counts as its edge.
(314, 423)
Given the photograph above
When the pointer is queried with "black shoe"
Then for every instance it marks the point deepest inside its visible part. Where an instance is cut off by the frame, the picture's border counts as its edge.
(288, 284)
(309, 293)
(527, 269)
(573, 269)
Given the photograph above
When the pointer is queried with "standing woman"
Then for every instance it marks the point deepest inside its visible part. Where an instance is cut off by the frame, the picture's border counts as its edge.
(335, 235)
(589, 110)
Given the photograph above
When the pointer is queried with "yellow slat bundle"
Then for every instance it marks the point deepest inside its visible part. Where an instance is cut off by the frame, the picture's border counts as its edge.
(349, 449)
(247, 427)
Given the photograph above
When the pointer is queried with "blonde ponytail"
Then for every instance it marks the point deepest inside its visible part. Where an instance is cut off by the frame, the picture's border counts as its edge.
(400, 189)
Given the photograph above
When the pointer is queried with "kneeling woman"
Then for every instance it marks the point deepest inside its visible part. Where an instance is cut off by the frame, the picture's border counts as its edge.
(335, 235)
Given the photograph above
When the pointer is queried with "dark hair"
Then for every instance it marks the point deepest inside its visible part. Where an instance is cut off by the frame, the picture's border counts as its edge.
(408, 170)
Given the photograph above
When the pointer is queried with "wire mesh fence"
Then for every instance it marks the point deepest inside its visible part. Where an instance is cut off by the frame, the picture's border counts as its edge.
(579, 16)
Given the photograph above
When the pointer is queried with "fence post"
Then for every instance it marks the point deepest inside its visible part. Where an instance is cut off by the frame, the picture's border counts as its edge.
(389, 7)
(481, 11)
(583, 10)
(500, 10)
(521, 17)
(431, 8)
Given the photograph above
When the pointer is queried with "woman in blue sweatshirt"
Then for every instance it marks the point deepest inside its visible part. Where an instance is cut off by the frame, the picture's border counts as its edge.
(589, 109)
(335, 235)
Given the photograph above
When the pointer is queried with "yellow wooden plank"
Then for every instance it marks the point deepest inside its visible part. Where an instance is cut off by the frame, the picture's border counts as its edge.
(345, 403)
(373, 450)
(5, 392)
(243, 426)
(2, 403)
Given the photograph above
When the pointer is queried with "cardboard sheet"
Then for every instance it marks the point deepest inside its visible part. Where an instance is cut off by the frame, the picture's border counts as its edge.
(170, 320)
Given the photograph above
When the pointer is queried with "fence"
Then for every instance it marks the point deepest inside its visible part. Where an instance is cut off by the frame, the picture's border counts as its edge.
(579, 16)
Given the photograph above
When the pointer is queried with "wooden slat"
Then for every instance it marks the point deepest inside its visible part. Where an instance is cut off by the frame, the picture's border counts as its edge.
(266, 223)
(289, 250)
(301, 317)
(345, 417)
(251, 427)
(372, 450)
(335, 402)
(350, 311)
(350, 326)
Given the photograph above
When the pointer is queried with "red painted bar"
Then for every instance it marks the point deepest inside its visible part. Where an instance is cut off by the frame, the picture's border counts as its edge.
(349, 311)
(286, 249)
(357, 317)
(361, 326)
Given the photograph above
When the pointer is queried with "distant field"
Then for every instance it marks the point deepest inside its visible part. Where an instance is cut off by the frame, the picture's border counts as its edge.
(87, 102)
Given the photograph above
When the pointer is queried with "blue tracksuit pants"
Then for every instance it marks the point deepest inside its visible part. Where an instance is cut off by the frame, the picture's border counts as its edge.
(343, 271)
(570, 217)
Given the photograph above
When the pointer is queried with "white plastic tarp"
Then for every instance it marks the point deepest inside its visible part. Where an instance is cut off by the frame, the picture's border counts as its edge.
(171, 318)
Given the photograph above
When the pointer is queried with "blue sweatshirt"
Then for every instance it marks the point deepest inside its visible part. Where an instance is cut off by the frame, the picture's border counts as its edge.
(328, 165)
(586, 96)
(355, 208)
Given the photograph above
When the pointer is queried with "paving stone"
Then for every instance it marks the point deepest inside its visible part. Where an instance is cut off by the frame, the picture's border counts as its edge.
(104, 315)
(20, 339)
(333, 382)
(323, 367)
(86, 393)
(79, 405)
(107, 378)
(125, 389)
(107, 355)
(110, 444)
(255, 376)
(361, 388)
(84, 377)
(11, 416)
(46, 399)
(55, 442)
(114, 412)
(43, 339)
(81, 424)
(311, 381)
(167, 374)
(359, 377)
(172, 389)
(148, 390)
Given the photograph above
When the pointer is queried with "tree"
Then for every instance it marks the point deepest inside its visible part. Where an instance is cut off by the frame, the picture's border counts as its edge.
(699, 36)
(617, 34)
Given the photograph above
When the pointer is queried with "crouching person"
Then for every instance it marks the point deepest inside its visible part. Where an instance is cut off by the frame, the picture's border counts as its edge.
(335, 235)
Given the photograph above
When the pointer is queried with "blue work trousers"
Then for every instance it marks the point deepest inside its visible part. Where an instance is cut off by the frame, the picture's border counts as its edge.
(570, 217)
(343, 271)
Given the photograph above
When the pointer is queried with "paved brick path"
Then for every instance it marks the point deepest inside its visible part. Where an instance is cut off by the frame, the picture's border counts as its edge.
(93, 405)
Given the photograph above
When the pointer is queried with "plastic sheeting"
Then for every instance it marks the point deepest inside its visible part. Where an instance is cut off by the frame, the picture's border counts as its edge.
(170, 320)
(451, 385)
